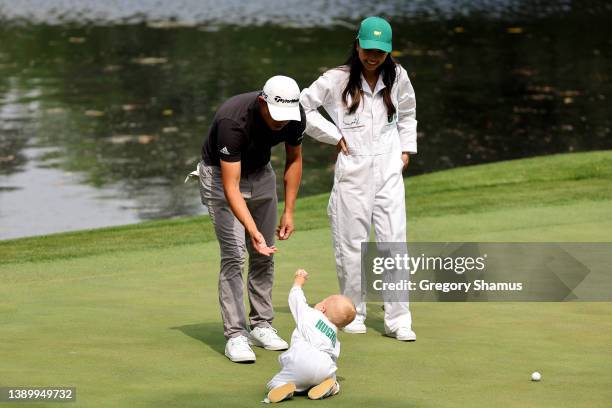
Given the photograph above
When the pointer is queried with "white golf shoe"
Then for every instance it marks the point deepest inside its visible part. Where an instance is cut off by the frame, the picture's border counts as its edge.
(238, 350)
(326, 389)
(281, 393)
(403, 334)
(267, 338)
(355, 327)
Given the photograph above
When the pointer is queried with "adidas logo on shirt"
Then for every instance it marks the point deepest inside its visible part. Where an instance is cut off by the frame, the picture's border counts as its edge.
(224, 150)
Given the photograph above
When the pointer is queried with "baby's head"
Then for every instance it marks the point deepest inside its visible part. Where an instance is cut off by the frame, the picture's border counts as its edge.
(339, 309)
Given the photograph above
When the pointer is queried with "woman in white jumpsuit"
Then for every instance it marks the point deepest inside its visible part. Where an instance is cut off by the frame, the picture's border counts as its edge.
(372, 105)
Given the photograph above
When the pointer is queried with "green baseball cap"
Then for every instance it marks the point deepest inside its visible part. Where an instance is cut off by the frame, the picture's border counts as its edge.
(375, 33)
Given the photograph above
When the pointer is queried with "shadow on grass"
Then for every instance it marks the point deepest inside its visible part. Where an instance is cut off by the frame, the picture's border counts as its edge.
(210, 334)
(376, 318)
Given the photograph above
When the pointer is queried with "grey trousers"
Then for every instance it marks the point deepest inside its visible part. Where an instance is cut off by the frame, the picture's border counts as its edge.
(259, 192)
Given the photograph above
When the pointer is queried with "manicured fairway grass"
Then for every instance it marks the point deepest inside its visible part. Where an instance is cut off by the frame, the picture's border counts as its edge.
(130, 316)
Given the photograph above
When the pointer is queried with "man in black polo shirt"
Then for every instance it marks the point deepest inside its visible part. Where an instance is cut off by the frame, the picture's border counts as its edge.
(238, 186)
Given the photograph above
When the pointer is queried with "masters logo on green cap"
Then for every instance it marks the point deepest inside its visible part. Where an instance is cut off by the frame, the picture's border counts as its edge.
(375, 33)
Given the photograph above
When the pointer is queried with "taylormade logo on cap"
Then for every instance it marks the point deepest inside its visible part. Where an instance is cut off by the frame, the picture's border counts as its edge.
(281, 100)
(282, 95)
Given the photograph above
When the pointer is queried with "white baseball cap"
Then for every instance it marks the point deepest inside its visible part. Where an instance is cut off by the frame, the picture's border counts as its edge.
(282, 95)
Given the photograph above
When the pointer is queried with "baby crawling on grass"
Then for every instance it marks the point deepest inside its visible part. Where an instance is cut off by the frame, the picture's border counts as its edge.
(310, 363)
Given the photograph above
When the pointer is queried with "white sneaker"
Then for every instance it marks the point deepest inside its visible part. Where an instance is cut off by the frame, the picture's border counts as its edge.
(355, 327)
(403, 334)
(238, 350)
(281, 393)
(267, 338)
(326, 389)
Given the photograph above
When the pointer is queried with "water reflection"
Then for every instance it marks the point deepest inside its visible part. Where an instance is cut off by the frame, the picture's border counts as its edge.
(123, 109)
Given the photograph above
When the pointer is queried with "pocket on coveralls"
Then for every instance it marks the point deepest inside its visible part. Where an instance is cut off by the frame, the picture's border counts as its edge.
(339, 169)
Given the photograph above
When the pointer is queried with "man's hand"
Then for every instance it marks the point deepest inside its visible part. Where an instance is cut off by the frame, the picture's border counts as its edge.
(300, 278)
(405, 159)
(260, 245)
(342, 147)
(285, 228)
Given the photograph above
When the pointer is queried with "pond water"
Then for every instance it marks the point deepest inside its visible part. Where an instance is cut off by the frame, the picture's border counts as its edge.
(104, 106)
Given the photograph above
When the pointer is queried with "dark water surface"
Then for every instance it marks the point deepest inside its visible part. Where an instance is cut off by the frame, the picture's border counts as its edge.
(103, 109)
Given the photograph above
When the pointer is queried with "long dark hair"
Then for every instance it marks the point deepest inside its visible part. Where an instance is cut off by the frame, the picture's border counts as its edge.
(353, 87)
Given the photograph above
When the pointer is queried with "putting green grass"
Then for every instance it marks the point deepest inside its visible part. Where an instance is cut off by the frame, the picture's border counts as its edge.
(130, 317)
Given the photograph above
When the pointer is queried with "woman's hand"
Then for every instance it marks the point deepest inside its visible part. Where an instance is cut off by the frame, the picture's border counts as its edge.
(405, 159)
(341, 146)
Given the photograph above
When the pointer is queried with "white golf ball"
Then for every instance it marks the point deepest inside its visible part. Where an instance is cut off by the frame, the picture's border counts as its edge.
(535, 376)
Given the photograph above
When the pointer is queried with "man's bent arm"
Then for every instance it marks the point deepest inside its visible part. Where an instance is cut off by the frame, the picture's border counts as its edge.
(293, 176)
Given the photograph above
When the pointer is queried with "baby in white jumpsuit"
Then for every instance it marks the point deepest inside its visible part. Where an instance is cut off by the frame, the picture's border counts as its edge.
(310, 362)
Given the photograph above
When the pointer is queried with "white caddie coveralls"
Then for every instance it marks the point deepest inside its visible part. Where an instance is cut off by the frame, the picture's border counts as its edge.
(314, 347)
(368, 185)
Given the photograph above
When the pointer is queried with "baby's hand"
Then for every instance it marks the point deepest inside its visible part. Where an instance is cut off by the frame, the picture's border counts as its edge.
(300, 277)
